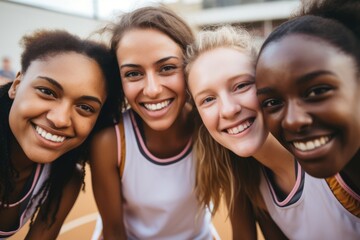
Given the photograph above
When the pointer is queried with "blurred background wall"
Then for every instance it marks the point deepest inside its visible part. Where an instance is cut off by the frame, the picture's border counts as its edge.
(17, 20)
(19, 17)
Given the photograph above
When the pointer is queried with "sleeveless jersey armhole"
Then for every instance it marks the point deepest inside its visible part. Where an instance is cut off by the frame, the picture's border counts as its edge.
(121, 150)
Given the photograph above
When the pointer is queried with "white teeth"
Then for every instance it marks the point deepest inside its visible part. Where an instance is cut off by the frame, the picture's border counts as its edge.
(157, 106)
(49, 136)
(239, 129)
(310, 145)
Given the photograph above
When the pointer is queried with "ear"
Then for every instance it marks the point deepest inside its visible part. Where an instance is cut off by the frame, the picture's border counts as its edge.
(14, 85)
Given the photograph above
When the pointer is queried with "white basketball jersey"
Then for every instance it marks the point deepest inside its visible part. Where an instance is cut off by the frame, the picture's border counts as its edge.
(159, 198)
(317, 214)
(28, 202)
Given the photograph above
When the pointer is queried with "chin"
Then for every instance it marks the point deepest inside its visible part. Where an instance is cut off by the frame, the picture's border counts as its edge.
(41, 159)
(318, 171)
(243, 152)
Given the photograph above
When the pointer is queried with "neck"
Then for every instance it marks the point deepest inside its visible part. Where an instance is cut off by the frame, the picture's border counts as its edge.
(18, 157)
(281, 162)
(273, 155)
(351, 171)
(171, 141)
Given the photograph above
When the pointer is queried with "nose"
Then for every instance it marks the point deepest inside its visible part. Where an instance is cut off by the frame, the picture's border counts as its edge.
(60, 115)
(229, 107)
(152, 86)
(296, 118)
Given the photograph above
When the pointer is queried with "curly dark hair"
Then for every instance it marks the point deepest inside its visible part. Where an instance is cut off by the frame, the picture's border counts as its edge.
(334, 21)
(40, 45)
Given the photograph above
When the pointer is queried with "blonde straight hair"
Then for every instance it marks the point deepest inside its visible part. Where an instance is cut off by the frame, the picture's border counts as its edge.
(219, 172)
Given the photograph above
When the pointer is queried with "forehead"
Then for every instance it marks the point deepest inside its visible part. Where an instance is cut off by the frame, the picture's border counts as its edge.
(298, 54)
(297, 48)
(140, 42)
(232, 62)
(71, 70)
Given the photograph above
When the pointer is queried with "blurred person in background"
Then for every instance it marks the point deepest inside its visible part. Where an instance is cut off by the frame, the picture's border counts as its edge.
(6, 72)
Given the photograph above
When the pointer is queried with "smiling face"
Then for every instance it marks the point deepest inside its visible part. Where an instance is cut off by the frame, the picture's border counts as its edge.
(151, 68)
(225, 96)
(56, 104)
(309, 93)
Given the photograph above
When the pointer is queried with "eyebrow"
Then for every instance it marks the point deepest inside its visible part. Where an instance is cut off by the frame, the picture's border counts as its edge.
(52, 82)
(165, 59)
(58, 85)
(91, 98)
(313, 75)
(157, 62)
(264, 90)
(243, 76)
(300, 80)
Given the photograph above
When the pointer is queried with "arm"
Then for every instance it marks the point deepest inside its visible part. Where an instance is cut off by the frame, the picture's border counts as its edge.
(106, 183)
(243, 219)
(41, 229)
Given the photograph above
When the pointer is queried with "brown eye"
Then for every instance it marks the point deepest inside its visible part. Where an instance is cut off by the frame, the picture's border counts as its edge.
(46, 91)
(132, 74)
(270, 103)
(86, 108)
(167, 68)
(318, 91)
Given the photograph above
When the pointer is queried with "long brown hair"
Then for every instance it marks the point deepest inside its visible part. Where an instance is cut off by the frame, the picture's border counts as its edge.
(160, 18)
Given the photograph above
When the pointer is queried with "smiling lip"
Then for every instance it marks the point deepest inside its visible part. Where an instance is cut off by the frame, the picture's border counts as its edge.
(240, 128)
(48, 136)
(156, 106)
(305, 146)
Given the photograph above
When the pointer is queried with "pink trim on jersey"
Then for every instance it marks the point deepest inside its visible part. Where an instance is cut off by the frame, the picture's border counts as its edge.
(293, 191)
(118, 138)
(143, 146)
(10, 233)
(346, 187)
(37, 173)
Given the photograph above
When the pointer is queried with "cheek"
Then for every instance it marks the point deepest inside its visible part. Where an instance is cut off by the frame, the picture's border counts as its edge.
(178, 84)
(131, 90)
(25, 107)
(208, 117)
(273, 123)
(83, 126)
(13, 117)
(253, 102)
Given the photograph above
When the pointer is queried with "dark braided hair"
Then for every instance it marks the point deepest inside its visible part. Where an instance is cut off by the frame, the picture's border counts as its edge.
(7, 172)
(41, 45)
(334, 21)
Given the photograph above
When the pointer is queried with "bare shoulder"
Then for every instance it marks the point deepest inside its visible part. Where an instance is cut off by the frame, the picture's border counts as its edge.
(103, 148)
(104, 137)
